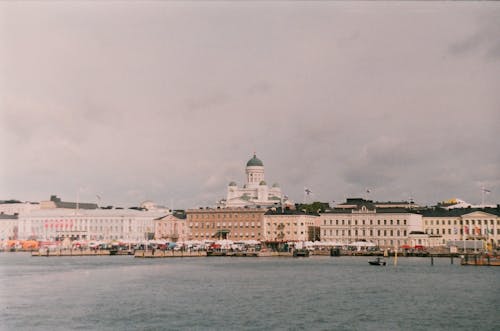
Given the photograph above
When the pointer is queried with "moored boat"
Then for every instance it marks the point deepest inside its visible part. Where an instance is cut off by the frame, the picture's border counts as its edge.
(378, 261)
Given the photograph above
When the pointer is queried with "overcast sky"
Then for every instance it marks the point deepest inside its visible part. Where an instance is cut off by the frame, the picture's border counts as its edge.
(167, 101)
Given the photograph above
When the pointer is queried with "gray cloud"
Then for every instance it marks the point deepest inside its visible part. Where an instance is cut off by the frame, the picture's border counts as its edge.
(167, 101)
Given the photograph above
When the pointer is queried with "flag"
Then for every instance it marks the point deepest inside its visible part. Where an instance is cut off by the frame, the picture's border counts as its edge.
(308, 191)
(478, 230)
(466, 229)
(486, 190)
(367, 191)
(455, 230)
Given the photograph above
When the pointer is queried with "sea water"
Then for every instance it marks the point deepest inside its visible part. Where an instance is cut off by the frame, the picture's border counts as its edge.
(238, 293)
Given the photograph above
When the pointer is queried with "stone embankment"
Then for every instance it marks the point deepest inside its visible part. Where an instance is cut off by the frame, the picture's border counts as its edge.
(169, 253)
(70, 252)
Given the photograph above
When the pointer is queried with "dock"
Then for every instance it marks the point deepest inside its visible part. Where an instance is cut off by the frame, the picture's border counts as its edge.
(151, 254)
(480, 260)
(70, 252)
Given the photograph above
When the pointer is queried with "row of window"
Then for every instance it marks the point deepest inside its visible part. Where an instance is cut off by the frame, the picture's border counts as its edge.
(224, 215)
(456, 231)
(363, 222)
(231, 235)
(224, 224)
(83, 221)
(379, 233)
(287, 224)
(460, 222)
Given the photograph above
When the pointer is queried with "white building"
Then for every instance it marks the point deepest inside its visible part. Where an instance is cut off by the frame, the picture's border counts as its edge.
(88, 224)
(8, 226)
(458, 203)
(12, 207)
(255, 192)
(459, 224)
(385, 227)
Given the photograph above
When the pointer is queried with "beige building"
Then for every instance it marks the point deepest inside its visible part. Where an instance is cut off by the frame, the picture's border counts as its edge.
(462, 224)
(172, 228)
(363, 221)
(291, 225)
(236, 224)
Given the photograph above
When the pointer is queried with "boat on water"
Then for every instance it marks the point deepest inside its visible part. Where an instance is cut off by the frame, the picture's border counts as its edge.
(301, 252)
(378, 261)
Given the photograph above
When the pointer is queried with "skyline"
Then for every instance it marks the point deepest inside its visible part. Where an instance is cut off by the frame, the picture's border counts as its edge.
(168, 101)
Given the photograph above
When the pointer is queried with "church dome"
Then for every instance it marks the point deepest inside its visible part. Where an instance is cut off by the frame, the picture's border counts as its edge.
(276, 185)
(232, 184)
(262, 182)
(254, 162)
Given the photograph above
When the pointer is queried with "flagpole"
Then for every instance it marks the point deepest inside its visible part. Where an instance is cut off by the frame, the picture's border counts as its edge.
(482, 196)
(463, 234)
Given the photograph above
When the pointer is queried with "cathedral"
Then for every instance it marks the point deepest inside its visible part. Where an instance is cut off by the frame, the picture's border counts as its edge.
(255, 191)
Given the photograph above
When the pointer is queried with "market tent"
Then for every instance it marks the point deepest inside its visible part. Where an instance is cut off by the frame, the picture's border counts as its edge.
(361, 245)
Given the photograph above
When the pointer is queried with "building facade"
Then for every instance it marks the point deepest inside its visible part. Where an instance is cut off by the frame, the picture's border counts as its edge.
(363, 221)
(236, 224)
(8, 227)
(172, 228)
(12, 207)
(290, 225)
(457, 224)
(88, 224)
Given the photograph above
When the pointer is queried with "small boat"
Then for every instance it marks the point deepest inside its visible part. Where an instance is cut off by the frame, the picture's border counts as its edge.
(377, 261)
(301, 252)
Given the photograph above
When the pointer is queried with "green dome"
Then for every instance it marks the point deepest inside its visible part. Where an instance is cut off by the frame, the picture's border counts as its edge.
(232, 184)
(254, 162)
(262, 182)
(276, 185)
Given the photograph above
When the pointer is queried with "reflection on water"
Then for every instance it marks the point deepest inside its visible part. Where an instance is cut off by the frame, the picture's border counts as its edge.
(317, 293)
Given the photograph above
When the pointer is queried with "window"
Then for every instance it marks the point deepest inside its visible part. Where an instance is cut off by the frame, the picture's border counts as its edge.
(330, 222)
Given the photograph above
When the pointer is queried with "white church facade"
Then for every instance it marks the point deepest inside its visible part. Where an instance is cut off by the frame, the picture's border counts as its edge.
(255, 192)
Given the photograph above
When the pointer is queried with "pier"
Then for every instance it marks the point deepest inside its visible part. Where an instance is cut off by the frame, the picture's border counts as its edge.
(71, 252)
(151, 254)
